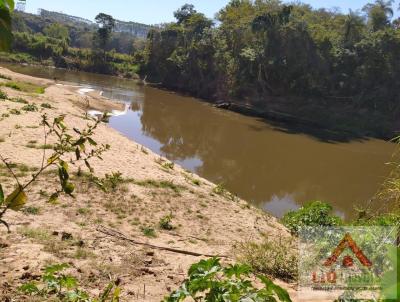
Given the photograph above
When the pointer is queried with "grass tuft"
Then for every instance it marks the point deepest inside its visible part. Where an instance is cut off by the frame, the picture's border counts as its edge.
(275, 257)
(30, 108)
(149, 232)
(161, 185)
(3, 95)
(25, 87)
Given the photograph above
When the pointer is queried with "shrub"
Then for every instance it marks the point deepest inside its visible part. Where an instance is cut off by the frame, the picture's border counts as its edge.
(209, 281)
(46, 106)
(165, 223)
(13, 85)
(149, 232)
(31, 210)
(30, 107)
(315, 213)
(275, 257)
(168, 165)
(3, 95)
(55, 284)
(113, 180)
(389, 219)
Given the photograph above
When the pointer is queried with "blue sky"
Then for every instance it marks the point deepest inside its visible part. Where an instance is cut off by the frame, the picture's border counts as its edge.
(158, 11)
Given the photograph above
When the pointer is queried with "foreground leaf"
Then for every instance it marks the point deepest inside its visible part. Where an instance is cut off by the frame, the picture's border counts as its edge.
(16, 200)
(29, 288)
(69, 188)
(5, 24)
(10, 4)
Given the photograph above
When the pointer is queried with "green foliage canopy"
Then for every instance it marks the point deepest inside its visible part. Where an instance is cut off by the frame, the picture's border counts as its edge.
(6, 7)
(265, 49)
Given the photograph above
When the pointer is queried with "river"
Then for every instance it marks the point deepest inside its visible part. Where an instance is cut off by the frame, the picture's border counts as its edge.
(273, 168)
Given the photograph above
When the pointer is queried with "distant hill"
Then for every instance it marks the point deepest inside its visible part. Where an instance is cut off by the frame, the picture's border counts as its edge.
(63, 18)
(127, 36)
(135, 29)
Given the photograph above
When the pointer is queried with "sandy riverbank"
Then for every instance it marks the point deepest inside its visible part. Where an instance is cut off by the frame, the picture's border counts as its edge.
(205, 222)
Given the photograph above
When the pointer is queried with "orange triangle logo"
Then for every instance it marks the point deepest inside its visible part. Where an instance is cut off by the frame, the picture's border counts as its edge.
(348, 241)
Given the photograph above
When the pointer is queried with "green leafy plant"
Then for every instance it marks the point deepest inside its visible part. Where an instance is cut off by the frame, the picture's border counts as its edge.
(6, 7)
(81, 146)
(13, 85)
(113, 180)
(30, 107)
(209, 281)
(315, 213)
(166, 223)
(168, 165)
(149, 232)
(55, 283)
(109, 182)
(31, 210)
(3, 95)
(219, 189)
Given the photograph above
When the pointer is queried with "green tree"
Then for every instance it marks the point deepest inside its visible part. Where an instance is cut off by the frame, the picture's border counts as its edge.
(352, 29)
(379, 13)
(184, 13)
(263, 50)
(57, 31)
(6, 7)
(106, 25)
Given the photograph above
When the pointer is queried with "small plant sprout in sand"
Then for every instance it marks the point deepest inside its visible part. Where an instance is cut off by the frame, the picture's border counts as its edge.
(71, 148)
(55, 284)
(165, 223)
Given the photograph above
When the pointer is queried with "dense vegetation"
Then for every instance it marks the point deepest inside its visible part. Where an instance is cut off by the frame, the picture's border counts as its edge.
(209, 281)
(288, 61)
(291, 58)
(68, 43)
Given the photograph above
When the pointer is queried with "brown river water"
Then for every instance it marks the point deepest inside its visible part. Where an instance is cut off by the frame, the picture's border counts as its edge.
(272, 166)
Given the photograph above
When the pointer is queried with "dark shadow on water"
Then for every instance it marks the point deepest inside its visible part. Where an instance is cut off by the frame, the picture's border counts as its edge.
(321, 134)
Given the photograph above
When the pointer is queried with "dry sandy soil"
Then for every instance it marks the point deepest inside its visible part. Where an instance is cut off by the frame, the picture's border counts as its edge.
(205, 220)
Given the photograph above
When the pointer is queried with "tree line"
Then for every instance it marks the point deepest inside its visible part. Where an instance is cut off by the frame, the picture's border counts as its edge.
(260, 53)
(256, 51)
(74, 45)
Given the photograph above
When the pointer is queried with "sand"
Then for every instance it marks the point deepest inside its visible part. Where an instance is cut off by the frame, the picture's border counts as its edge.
(204, 222)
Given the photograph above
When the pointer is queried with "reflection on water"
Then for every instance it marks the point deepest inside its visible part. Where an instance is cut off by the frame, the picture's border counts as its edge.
(274, 170)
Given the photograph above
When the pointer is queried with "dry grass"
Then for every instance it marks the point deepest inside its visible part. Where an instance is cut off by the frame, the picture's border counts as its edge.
(274, 257)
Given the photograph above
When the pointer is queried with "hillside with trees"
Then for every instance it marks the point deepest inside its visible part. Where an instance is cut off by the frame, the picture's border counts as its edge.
(271, 56)
(283, 61)
(66, 41)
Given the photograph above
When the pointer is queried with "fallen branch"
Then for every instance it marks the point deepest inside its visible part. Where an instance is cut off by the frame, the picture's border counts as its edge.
(119, 235)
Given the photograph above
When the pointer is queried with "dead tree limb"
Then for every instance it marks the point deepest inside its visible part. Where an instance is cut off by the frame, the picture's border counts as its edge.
(119, 235)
